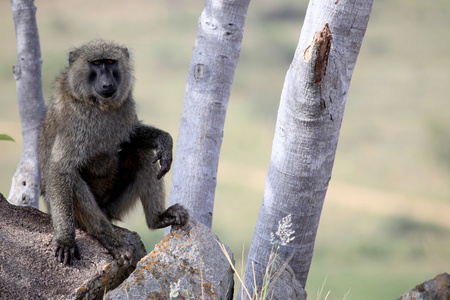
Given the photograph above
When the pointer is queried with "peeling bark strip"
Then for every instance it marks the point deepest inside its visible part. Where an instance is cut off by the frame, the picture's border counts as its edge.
(320, 45)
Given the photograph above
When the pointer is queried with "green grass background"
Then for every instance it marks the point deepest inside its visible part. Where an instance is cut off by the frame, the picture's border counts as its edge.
(386, 220)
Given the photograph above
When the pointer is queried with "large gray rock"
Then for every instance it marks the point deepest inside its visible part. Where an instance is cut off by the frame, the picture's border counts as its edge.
(29, 270)
(187, 261)
(435, 289)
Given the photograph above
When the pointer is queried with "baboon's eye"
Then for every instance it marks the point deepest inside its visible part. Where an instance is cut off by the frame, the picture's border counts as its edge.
(95, 62)
(110, 61)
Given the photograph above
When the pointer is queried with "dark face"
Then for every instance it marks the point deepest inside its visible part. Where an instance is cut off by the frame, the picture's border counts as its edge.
(105, 76)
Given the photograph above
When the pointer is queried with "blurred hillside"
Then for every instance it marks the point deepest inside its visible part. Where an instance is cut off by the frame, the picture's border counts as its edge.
(386, 220)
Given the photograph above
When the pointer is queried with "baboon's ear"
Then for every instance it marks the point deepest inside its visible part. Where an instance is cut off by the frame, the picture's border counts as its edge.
(73, 55)
(126, 52)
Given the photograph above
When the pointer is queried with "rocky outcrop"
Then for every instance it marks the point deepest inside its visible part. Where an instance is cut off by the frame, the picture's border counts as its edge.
(187, 261)
(29, 270)
(435, 289)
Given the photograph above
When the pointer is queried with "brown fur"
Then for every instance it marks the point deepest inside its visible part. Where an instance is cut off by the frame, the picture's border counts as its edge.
(96, 158)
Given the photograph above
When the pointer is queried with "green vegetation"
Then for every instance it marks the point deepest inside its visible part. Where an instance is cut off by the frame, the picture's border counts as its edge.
(5, 137)
(385, 225)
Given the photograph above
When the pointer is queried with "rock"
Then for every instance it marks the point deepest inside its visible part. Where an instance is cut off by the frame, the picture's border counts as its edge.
(29, 270)
(188, 261)
(435, 289)
(284, 285)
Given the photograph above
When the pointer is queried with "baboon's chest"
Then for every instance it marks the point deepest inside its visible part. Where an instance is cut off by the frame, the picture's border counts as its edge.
(101, 132)
(100, 173)
(103, 164)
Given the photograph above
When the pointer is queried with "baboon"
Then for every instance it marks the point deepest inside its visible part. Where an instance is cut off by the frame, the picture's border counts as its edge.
(96, 159)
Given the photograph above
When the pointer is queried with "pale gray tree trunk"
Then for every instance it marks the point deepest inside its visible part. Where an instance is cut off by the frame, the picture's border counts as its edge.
(211, 73)
(306, 135)
(25, 186)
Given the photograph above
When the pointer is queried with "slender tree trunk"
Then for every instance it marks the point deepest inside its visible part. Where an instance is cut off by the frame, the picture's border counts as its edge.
(25, 188)
(306, 135)
(208, 88)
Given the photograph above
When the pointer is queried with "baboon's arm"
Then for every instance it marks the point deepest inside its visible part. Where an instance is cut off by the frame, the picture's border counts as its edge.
(145, 136)
(59, 193)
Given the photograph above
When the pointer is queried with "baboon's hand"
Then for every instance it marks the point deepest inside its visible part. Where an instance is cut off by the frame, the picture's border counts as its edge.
(119, 250)
(123, 256)
(176, 215)
(164, 152)
(65, 253)
(164, 155)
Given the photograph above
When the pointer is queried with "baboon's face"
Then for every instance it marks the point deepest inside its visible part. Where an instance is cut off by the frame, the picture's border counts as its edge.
(100, 74)
(104, 76)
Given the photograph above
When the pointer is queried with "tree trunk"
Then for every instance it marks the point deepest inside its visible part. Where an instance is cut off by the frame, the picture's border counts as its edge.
(25, 188)
(306, 135)
(208, 88)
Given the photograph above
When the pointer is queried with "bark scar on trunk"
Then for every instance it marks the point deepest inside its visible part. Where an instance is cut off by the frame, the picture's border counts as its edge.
(320, 46)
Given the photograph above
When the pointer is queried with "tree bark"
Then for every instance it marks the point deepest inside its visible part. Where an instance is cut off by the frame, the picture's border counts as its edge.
(25, 188)
(306, 135)
(208, 88)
